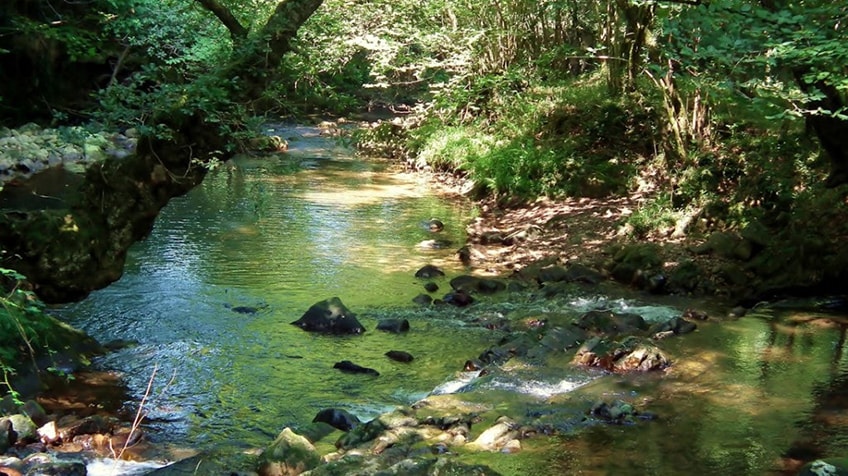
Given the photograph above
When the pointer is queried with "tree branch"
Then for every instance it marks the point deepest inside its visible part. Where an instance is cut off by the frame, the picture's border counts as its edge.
(237, 31)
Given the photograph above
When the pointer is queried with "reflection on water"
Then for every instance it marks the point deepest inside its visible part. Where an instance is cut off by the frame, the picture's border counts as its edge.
(744, 397)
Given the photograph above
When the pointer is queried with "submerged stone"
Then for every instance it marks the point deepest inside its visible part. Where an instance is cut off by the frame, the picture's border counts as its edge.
(399, 356)
(351, 368)
(393, 325)
(339, 419)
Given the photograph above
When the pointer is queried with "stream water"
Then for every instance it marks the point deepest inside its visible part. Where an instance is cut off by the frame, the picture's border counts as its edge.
(279, 233)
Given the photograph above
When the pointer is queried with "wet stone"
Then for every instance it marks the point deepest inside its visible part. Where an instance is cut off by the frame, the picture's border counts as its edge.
(400, 356)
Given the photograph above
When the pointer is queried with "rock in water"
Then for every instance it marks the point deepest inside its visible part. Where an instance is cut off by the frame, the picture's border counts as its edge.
(434, 225)
(399, 356)
(395, 326)
(339, 419)
(289, 454)
(429, 271)
(331, 317)
(351, 368)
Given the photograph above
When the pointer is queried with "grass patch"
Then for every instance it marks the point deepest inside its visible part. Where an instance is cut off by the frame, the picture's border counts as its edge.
(530, 139)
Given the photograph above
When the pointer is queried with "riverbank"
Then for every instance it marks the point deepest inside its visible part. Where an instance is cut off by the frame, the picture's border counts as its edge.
(688, 258)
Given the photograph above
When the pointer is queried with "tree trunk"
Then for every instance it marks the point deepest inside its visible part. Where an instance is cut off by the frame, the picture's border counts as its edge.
(831, 131)
(255, 62)
(68, 253)
(237, 31)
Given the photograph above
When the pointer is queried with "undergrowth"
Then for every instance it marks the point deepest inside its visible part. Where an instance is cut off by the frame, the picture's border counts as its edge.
(24, 328)
(520, 137)
(517, 136)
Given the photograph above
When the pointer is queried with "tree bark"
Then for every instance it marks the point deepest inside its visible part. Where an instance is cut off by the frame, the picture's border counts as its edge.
(256, 60)
(831, 131)
(237, 31)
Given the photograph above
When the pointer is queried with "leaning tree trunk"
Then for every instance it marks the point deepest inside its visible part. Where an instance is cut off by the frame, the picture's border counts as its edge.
(68, 253)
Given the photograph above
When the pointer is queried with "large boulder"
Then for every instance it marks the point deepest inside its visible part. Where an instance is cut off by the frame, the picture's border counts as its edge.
(636, 264)
(331, 317)
(23, 429)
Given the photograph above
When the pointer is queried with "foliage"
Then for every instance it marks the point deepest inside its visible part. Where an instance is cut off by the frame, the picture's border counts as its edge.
(22, 324)
(657, 214)
(355, 53)
(750, 53)
(517, 137)
(176, 38)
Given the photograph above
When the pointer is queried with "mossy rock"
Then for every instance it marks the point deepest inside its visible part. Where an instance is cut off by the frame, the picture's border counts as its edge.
(635, 260)
(687, 276)
(361, 434)
(23, 429)
(289, 454)
(826, 467)
(360, 466)
(727, 245)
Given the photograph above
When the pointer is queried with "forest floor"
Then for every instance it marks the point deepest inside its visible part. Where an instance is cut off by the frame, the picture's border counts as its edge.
(510, 236)
(505, 237)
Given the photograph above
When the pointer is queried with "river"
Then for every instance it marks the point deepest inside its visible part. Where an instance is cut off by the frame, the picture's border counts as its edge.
(279, 233)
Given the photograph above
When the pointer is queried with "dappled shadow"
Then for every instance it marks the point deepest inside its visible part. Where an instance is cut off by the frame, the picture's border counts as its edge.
(569, 229)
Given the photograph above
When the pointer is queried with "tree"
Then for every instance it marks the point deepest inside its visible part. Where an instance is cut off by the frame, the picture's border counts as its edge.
(68, 253)
(784, 58)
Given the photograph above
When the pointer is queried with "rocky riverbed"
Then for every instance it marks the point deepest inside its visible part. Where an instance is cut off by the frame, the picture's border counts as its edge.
(30, 149)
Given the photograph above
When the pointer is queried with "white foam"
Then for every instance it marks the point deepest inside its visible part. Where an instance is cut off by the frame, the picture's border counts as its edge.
(117, 467)
(455, 385)
(538, 388)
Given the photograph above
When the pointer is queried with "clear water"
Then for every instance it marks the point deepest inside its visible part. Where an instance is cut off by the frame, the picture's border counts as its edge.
(758, 395)
(280, 233)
